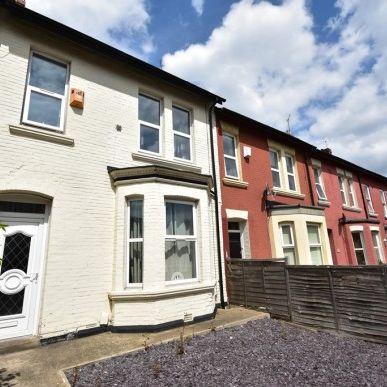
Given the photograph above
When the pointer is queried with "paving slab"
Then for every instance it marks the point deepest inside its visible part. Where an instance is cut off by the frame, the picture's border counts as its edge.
(43, 366)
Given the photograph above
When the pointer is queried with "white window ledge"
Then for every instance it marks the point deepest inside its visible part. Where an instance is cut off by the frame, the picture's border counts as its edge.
(373, 215)
(235, 183)
(39, 134)
(324, 203)
(279, 192)
(165, 163)
(353, 209)
(128, 295)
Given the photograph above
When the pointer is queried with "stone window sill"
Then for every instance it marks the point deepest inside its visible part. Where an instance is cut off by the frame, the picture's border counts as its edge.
(324, 203)
(135, 295)
(40, 134)
(353, 209)
(289, 194)
(151, 159)
(373, 215)
(235, 183)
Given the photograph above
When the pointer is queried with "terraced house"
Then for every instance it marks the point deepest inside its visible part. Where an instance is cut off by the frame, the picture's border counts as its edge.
(106, 185)
(284, 197)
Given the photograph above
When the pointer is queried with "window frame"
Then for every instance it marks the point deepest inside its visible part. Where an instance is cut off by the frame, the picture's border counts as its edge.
(188, 238)
(319, 181)
(133, 240)
(29, 89)
(293, 174)
(278, 153)
(343, 191)
(177, 133)
(319, 245)
(234, 158)
(383, 200)
(351, 192)
(240, 232)
(367, 194)
(363, 248)
(378, 249)
(149, 124)
(293, 245)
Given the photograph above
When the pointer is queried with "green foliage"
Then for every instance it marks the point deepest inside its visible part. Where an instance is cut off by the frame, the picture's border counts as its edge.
(2, 226)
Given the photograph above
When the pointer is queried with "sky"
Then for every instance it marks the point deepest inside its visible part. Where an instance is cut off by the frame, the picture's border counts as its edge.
(323, 62)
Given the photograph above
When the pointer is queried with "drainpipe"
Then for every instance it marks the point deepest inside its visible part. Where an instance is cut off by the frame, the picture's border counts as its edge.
(309, 181)
(218, 244)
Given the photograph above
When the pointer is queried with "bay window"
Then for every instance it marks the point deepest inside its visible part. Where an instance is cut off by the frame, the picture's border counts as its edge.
(135, 241)
(288, 243)
(181, 133)
(315, 246)
(377, 246)
(180, 241)
(358, 244)
(46, 93)
(149, 118)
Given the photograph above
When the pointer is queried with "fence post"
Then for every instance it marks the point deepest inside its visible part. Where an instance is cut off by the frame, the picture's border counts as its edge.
(244, 283)
(333, 299)
(288, 290)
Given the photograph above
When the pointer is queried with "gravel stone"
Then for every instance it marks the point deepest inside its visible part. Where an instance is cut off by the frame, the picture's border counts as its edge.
(261, 353)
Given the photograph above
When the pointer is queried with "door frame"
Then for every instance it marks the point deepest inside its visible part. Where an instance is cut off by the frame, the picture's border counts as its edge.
(41, 220)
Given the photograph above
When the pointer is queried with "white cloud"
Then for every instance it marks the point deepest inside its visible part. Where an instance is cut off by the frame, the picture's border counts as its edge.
(120, 23)
(267, 62)
(198, 6)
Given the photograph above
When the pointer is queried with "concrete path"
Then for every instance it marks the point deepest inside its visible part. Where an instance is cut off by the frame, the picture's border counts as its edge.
(43, 366)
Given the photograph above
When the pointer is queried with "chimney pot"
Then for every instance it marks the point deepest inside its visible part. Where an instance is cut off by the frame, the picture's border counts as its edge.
(327, 150)
(21, 3)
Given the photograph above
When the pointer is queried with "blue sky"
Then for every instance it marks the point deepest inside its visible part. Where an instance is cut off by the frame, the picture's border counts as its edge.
(324, 62)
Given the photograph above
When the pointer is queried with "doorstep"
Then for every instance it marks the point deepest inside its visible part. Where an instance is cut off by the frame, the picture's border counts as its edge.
(18, 344)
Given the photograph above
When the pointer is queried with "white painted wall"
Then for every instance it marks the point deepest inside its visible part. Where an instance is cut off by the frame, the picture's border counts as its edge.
(86, 229)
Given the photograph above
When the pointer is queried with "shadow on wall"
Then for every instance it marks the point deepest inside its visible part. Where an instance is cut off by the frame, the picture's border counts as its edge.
(7, 379)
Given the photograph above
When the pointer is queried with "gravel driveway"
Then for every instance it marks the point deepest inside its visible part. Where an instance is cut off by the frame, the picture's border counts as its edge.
(261, 353)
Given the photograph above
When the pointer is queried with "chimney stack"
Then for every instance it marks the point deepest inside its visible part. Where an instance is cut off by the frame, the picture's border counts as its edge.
(327, 150)
(21, 3)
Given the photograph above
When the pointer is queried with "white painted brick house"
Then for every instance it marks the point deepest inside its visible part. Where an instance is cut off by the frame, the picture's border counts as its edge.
(110, 207)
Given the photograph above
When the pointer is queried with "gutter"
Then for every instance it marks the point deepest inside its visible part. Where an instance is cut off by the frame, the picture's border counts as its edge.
(215, 192)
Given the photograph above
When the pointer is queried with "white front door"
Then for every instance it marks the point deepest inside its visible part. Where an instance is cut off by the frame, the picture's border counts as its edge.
(21, 255)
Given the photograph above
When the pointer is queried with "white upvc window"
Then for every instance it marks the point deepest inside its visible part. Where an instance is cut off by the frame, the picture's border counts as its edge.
(358, 244)
(180, 241)
(291, 177)
(377, 246)
(367, 195)
(149, 115)
(182, 133)
(383, 196)
(347, 190)
(288, 243)
(46, 92)
(319, 183)
(135, 241)
(343, 192)
(315, 246)
(351, 193)
(275, 167)
(230, 155)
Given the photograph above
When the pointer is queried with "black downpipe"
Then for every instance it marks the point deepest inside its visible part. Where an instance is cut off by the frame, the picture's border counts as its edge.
(218, 244)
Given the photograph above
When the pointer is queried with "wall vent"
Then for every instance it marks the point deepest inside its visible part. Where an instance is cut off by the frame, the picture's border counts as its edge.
(188, 317)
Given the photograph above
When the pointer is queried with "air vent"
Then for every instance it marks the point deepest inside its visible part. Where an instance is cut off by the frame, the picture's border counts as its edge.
(188, 317)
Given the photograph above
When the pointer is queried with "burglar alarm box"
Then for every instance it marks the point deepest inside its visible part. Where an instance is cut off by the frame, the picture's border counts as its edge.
(77, 98)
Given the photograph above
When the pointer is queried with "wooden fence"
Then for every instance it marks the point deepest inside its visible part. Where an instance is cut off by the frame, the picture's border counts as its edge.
(350, 299)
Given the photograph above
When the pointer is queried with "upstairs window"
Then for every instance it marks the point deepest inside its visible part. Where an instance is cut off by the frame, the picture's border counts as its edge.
(180, 241)
(181, 133)
(230, 155)
(367, 196)
(383, 196)
(275, 168)
(291, 178)
(288, 243)
(149, 117)
(343, 191)
(319, 183)
(46, 93)
(347, 190)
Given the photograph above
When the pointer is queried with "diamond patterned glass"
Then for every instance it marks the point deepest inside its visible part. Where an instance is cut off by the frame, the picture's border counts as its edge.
(16, 254)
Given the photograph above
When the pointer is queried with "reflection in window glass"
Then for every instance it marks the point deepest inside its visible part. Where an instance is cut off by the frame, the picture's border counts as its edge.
(136, 241)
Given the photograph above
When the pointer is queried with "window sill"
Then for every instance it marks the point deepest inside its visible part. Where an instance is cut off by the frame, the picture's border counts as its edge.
(40, 134)
(373, 215)
(158, 160)
(324, 203)
(289, 194)
(353, 209)
(235, 183)
(128, 295)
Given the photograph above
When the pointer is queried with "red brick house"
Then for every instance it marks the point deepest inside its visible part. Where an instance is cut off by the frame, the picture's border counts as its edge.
(284, 197)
